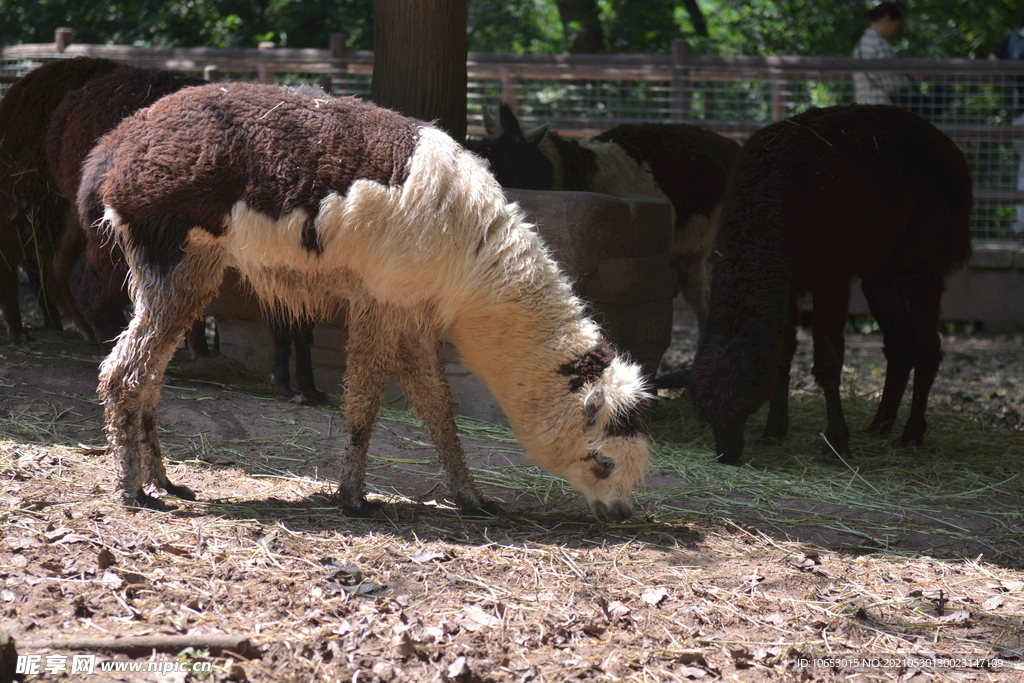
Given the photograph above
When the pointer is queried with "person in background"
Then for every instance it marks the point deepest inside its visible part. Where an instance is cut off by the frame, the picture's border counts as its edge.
(879, 87)
(1012, 47)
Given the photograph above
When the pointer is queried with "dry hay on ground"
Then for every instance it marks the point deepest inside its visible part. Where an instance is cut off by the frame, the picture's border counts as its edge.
(731, 573)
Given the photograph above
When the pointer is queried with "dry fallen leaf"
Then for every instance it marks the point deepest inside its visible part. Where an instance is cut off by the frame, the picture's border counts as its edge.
(105, 559)
(960, 616)
(424, 555)
(994, 602)
(475, 619)
(654, 596)
(111, 580)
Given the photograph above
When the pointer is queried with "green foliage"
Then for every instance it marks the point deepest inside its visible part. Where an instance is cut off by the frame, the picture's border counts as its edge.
(217, 23)
(523, 26)
(934, 28)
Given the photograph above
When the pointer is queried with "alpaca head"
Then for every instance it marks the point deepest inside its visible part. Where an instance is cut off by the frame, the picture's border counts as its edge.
(604, 449)
(514, 154)
(729, 380)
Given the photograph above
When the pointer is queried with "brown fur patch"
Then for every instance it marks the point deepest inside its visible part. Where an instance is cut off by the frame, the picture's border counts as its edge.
(273, 149)
(631, 421)
(588, 367)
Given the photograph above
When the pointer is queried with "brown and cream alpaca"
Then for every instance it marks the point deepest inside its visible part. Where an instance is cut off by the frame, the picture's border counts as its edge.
(321, 201)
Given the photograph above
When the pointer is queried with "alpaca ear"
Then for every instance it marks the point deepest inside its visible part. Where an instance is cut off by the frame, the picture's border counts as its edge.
(592, 404)
(491, 125)
(535, 135)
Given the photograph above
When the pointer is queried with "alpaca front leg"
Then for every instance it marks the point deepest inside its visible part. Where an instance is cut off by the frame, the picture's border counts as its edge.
(368, 352)
(777, 424)
(425, 383)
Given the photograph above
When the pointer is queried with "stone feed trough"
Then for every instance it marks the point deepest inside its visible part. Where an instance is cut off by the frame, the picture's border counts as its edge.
(615, 249)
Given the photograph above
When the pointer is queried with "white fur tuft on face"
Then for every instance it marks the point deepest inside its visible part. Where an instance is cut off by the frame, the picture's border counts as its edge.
(616, 448)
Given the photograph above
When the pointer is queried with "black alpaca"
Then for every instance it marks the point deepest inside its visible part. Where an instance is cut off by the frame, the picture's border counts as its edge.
(814, 201)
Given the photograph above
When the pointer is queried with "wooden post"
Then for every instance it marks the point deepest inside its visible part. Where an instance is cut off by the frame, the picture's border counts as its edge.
(679, 107)
(510, 89)
(63, 37)
(337, 79)
(778, 96)
(211, 73)
(264, 72)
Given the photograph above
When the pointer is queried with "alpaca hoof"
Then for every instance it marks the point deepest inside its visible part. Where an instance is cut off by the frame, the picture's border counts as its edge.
(313, 396)
(485, 509)
(142, 500)
(834, 452)
(283, 392)
(906, 442)
(361, 509)
(880, 428)
(729, 459)
(182, 492)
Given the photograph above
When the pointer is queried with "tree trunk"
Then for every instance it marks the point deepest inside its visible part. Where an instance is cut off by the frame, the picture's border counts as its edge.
(582, 27)
(700, 25)
(419, 64)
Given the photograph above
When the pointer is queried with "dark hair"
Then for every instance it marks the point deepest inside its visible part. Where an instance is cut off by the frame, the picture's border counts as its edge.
(890, 9)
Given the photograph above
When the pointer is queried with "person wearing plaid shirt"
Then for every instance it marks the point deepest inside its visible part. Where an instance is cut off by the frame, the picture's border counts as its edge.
(879, 87)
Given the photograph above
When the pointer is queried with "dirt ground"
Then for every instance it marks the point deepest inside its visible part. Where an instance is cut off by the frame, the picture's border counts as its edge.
(542, 593)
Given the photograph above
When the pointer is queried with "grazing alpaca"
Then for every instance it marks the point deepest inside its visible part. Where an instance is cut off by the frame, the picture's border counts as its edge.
(685, 164)
(812, 202)
(98, 281)
(37, 230)
(322, 201)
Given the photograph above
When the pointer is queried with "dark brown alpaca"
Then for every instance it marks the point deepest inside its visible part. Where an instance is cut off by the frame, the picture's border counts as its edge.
(37, 228)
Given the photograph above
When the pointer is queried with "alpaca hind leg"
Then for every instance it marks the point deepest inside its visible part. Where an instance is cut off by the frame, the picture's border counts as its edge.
(9, 303)
(195, 339)
(41, 278)
(280, 375)
(831, 303)
(167, 301)
(69, 247)
(304, 364)
(130, 380)
(368, 354)
(927, 354)
(97, 288)
(777, 423)
(888, 306)
(424, 382)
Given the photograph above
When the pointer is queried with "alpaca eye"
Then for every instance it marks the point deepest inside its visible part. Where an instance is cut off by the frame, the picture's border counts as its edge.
(601, 464)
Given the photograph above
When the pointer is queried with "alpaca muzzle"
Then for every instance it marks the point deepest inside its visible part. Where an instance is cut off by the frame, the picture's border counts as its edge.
(618, 511)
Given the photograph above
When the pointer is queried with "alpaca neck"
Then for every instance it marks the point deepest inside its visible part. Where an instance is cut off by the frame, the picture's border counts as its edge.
(515, 343)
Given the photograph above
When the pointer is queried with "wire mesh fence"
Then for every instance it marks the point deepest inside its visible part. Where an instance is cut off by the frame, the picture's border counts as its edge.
(979, 104)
